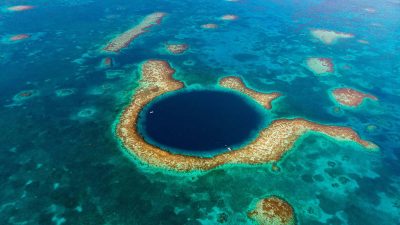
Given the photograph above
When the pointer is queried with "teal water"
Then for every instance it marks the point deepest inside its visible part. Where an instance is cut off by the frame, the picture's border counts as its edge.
(61, 164)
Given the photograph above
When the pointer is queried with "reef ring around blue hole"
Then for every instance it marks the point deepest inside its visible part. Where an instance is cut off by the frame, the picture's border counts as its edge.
(201, 122)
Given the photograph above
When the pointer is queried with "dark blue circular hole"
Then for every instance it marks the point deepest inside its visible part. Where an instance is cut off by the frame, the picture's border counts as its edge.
(200, 121)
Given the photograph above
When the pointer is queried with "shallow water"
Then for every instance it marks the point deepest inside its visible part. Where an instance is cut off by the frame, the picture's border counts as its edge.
(60, 162)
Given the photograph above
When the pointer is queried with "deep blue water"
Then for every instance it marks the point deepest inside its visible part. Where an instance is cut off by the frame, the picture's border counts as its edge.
(60, 162)
(201, 121)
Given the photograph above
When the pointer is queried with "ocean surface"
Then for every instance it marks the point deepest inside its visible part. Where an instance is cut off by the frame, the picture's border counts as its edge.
(202, 122)
(61, 163)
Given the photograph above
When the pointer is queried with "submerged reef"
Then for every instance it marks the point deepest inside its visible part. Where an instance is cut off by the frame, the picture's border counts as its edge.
(64, 92)
(24, 95)
(19, 37)
(177, 48)
(106, 63)
(320, 66)
(209, 26)
(272, 211)
(124, 39)
(329, 36)
(18, 8)
(229, 17)
(350, 97)
(269, 146)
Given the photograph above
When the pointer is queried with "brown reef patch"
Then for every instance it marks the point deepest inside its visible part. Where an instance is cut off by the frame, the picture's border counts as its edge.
(19, 37)
(19, 8)
(177, 48)
(106, 63)
(209, 26)
(270, 145)
(124, 39)
(273, 211)
(236, 83)
(350, 97)
(229, 17)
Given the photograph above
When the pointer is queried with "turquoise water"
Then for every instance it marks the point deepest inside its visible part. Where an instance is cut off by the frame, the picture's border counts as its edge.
(61, 164)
